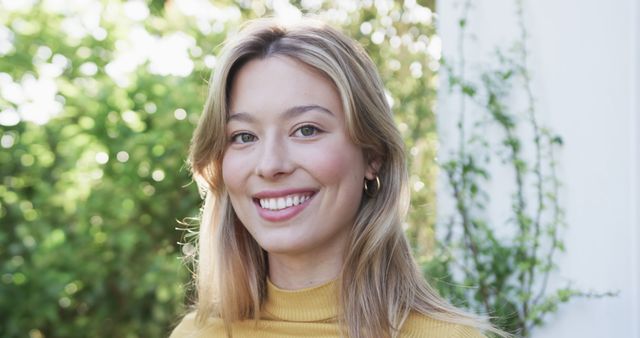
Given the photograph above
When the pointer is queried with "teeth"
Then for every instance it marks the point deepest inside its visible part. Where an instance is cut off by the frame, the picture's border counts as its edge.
(283, 202)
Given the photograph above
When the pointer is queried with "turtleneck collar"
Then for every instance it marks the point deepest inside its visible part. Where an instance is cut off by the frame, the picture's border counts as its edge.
(314, 304)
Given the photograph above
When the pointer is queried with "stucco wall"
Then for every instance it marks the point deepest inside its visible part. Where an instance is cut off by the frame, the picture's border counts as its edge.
(585, 62)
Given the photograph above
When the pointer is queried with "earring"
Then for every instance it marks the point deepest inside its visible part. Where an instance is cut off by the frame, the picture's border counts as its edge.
(372, 192)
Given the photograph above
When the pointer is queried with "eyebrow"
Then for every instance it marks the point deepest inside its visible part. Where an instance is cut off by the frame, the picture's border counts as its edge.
(288, 114)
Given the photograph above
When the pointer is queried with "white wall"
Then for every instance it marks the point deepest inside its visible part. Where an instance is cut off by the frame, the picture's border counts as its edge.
(585, 61)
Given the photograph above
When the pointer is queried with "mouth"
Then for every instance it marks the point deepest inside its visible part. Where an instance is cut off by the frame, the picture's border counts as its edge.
(283, 205)
(284, 202)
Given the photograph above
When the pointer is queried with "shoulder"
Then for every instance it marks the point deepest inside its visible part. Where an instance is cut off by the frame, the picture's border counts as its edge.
(419, 325)
(187, 328)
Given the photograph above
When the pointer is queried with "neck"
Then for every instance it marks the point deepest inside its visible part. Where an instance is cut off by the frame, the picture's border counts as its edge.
(293, 272)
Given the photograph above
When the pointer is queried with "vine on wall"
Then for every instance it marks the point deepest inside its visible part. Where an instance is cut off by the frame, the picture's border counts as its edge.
(505, 266)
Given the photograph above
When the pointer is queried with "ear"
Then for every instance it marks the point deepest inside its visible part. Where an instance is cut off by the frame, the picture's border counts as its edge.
(373, 167)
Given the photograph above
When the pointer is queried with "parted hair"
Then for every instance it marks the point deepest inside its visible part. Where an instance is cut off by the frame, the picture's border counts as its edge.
(380, 283)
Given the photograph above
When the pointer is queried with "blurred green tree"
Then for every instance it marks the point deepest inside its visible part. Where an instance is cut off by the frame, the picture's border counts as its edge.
(98, 100)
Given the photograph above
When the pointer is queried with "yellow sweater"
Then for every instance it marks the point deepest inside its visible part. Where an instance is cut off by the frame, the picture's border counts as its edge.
(310, 313)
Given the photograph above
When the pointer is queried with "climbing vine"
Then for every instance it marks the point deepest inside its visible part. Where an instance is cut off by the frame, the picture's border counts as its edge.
(505, 267)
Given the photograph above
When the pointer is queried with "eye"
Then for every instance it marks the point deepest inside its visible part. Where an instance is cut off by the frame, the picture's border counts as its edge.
(306, 131)
(243, 138)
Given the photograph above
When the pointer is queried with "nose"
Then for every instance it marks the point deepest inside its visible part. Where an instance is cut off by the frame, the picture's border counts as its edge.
(273, 161)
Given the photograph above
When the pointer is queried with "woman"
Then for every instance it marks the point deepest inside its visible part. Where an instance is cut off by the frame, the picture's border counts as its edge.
(305, 184)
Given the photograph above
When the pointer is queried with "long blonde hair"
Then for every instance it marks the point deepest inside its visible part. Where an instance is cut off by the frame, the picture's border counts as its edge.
(380, 282)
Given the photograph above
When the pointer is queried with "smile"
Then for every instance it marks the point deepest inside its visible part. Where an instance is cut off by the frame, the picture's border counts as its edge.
(283, 202)
(282, 205)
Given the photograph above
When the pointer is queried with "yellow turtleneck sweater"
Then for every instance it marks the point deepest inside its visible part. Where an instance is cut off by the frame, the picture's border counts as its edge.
(310, 312)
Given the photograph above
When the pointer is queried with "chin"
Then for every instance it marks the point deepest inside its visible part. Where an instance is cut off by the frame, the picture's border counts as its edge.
(283, 245)
(282, 248)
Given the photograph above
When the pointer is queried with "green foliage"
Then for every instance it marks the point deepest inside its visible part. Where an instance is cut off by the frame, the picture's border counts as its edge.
(503, 267)
(90, 198)
(95, 126)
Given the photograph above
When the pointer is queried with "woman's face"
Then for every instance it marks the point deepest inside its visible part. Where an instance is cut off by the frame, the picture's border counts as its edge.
(294, 177)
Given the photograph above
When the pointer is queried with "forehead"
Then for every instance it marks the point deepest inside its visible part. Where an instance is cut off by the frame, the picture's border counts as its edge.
(280, 82)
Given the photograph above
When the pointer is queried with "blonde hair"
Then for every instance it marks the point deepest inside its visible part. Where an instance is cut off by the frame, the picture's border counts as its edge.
(380, 281)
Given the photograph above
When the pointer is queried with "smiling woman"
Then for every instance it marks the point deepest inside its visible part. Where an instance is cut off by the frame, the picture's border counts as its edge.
(306, 190)
(292, 145)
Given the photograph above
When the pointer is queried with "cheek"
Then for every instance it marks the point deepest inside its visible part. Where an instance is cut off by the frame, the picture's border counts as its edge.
(232, 172)
(336, 162)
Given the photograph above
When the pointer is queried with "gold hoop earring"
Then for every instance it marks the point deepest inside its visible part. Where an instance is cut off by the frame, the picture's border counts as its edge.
(369, 191)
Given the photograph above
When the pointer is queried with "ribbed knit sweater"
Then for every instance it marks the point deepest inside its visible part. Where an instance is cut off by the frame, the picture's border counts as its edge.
(310, 313)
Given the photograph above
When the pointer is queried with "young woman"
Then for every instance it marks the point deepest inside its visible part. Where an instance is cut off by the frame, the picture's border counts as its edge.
(305, 184)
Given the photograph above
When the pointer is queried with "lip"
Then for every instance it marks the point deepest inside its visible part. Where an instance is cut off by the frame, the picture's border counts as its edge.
(283, 192)
(284, 214)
